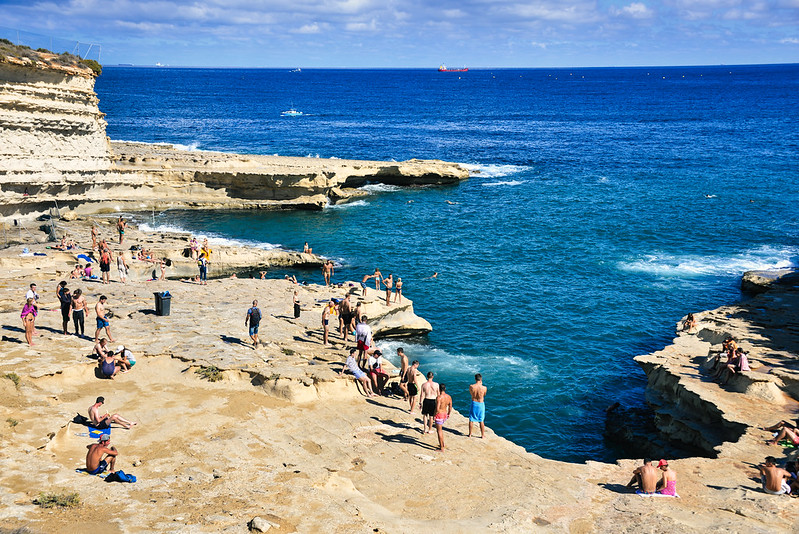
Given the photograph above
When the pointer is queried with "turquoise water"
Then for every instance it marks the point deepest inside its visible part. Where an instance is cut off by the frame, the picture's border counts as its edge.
(608, 204)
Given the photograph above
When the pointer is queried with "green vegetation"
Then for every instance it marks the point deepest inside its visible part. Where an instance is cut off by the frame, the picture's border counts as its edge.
(64, 500)
(210, 373)
(12, 422)
(43, 55)
(14, 377)
(287, 352)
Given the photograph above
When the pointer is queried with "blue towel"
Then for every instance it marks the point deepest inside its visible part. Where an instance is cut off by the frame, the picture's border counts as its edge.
(85, 258)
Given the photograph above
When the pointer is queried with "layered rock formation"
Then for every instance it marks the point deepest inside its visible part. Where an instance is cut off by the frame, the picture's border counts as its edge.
(717, 419)
(54, 153)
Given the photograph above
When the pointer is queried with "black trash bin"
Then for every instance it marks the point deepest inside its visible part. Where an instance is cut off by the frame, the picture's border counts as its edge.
(163, 302)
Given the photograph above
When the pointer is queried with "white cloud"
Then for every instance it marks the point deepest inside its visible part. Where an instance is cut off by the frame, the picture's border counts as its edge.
(361, 26)
(789, 40)
(636, 10)
(308, 29)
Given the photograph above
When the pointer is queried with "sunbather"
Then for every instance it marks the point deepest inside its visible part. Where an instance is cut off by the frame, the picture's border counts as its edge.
(104, 421)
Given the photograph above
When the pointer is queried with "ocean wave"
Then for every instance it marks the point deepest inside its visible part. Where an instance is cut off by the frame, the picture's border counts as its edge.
(346, 205)
(493, 170)
(213, 239)
(442, 362)
(511, 182)
(381, 188)
(193, 147)
(762, 258)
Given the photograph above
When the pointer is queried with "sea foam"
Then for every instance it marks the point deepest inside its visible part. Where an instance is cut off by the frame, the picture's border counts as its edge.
(493, 170)
(213, 239)
(670, 265)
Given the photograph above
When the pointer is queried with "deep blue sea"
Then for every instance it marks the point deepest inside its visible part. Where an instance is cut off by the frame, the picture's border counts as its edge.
(605, 205)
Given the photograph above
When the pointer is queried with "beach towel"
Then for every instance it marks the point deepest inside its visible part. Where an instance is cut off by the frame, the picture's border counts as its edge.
(39, 254)
(643, 494)
(787, 444)
(95, 432)
(85, 472)
(85, 258)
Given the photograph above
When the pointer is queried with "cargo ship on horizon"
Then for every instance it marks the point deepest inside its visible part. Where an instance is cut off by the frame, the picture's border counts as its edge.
(443, 68)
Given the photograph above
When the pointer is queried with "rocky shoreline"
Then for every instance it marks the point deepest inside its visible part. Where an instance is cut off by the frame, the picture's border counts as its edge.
(282, 433)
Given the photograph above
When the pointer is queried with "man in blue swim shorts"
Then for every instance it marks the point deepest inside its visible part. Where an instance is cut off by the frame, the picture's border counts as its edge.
(477, 412)
(102, 319)
(101, 456)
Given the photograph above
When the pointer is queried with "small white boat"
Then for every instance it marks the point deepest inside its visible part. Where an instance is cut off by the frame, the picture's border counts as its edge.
(291, 113)
(296, 70)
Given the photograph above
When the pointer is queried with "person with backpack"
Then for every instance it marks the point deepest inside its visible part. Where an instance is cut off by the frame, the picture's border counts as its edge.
(253, 319)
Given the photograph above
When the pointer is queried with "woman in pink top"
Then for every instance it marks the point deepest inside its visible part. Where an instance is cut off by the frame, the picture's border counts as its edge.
(28, 315)
(668, 484)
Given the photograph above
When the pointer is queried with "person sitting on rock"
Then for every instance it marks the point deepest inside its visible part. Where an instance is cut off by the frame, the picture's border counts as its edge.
(773, 477)
(646, 477)
(738, 364)
(689, 323)
(667, 484)
(101, 456)
(360, 376)
(104, 421)
(786, 433)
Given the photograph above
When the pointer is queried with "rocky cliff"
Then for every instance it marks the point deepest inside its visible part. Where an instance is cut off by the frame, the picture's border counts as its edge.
(54, 152)
(722, 416)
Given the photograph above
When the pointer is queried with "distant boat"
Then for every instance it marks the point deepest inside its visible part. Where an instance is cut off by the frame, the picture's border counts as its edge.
(443, 68)
(291, 113)
(296, 70)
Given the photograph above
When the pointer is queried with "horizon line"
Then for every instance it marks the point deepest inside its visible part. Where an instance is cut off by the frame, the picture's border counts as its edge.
(157, 66)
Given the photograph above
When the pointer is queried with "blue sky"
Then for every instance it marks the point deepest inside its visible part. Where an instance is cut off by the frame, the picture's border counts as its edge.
(420, 33)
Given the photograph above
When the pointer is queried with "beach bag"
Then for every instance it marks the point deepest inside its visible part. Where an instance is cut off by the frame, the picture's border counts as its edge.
(120, 476)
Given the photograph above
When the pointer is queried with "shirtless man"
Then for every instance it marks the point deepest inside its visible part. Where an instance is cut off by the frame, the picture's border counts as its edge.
(327, 270)
(345, 317)
(104, 421)
(105, 264)
(403, 368)
(121, 225)
(646, 477)
(102, 320)
(100, 349)
(443, 411)
(427, 403)
(94, 237)
(101, 456)
(326, 313)
(389, 283)
(477, 412)
(773, 477)
(410, 384)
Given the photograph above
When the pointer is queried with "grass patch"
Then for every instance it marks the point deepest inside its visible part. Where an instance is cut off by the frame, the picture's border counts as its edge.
(62, 500)
(288, 352)
(210, 373)
(12, 422)
(14, 377)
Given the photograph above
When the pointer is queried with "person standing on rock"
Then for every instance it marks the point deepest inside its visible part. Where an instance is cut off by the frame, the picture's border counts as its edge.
(105, 265)
(102, 320)
(389, 283)
(94, 237)
(327, 271)
(28, 315)
(477, 411)
(65, 298)
(329, 309)
(403, 369)
(410, 383)
(378, 276)
(363, 282)
(345, 317)
(363, 338)
(443, 411)
(646, 477)
(79, 310)
(296, 301)
(667, 484)
(427, 403)
(253, 318)
(122, 267)
(398, 291)
(121, 225)
(202, 263)
(773, 477)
